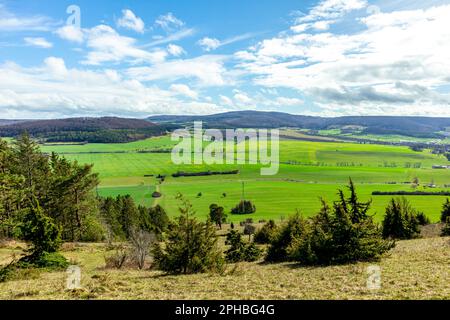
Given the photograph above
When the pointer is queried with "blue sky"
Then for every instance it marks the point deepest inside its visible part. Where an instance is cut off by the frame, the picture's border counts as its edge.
(140, 58)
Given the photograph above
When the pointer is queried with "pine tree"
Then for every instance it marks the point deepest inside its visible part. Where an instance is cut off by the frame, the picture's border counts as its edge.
(445, 213)
(190, 246)
(400, 220)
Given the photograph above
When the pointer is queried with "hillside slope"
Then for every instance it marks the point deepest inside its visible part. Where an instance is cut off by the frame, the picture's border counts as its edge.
(106, 129)
(413, 126)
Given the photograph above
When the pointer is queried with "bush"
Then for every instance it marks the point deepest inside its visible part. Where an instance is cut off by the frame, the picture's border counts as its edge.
(239, 250)
(284, 237)
(446, 229)
(41, 231)
(190, 246)
(422, 219)
(343, 234)
(244, 207)
(400, 221)
(266, 233)
(52, 261)
(445, 213)
(117, 259)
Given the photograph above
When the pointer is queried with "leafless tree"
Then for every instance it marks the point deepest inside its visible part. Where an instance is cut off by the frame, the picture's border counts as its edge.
(141, 241)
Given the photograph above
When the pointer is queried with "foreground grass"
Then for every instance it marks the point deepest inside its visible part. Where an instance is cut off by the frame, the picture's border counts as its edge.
(415, 269)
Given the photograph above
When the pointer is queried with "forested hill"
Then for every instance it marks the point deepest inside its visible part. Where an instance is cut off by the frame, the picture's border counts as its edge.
(411, 126)
(105, 129)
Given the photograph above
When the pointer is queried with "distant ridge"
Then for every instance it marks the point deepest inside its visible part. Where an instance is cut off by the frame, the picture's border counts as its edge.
(412, 126)
(104, 129)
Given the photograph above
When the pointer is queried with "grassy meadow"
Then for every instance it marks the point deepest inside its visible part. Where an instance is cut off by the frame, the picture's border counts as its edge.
(308, 171)
(415, 269)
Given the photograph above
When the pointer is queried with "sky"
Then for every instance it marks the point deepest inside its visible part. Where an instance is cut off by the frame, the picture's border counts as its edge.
(135, 58)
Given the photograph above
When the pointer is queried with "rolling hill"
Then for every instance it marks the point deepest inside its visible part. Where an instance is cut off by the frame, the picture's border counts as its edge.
(411, 126)
(105, 129)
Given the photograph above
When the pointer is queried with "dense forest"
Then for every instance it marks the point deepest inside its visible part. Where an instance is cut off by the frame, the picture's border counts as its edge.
(93, 130)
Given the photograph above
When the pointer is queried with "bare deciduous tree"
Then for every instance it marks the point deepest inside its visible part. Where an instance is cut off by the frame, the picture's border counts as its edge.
(141, 241)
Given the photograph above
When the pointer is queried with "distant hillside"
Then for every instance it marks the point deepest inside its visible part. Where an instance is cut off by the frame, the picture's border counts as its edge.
(411, 126)
(106, 129)
(4, 122)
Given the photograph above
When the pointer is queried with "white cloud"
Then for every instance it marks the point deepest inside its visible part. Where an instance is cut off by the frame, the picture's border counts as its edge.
(38, 42)
(325, 13)
(11, 22)
(71, 33)
(176, 36)
(226, 101)
(283, 101)
(108, 46)
(184, 90)
(209, 44)
(55, 66)
(208, 70)
(175, 50)
(332, 9)
(53, 90)
(169, 22)
(243, 99)
(379, 68)
(130, 21)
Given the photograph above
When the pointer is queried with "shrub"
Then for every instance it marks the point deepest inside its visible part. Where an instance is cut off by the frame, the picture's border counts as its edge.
(52, 261)
(244, 207)
(41, 231)
(400, 221)
(266, 233)
(445, 213)
(342, 234)
(117, 259)
(446, 229)
(190, 246)
(422, 219)
(239, 250)
(284, 237)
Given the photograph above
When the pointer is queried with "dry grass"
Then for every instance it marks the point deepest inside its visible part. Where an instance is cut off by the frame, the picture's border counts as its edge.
(416, 269)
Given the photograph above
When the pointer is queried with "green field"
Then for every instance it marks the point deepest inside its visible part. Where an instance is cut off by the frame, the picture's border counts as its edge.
(308, 171)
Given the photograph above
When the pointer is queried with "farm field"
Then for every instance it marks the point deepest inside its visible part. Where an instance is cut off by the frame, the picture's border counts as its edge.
(308, 171)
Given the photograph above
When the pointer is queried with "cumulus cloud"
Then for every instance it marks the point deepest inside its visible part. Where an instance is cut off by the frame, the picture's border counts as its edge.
(53, 90)
(38, 42)
(373, 69)
(71, 33)
(11, 22)
(184, 90)
(169, 22)
(175, 50)
(130, 21)
(108, 46)
(207, 70)
(209, 44)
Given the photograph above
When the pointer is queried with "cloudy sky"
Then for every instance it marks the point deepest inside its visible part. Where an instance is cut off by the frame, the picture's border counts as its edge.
(140, 58)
